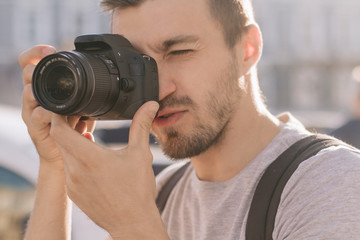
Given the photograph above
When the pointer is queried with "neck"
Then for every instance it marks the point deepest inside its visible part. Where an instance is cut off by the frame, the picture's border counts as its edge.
(249, 131)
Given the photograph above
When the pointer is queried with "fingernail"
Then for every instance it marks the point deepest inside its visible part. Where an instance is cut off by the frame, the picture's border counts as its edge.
(89, 136)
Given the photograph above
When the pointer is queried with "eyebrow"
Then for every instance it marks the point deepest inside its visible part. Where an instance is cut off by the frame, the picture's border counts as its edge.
(167, 44)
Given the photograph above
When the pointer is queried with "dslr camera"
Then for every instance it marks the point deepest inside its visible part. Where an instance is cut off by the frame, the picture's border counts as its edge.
(104, 78)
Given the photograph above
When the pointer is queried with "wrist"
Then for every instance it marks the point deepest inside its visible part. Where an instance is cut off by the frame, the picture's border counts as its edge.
(51, 175)
(51, 165)
(148, 226)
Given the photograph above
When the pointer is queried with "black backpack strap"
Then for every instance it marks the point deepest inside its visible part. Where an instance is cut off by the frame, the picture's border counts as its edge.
(266, 199)
(164, 193)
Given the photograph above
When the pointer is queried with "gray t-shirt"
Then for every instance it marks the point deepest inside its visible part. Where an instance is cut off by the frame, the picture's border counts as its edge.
(320, 201)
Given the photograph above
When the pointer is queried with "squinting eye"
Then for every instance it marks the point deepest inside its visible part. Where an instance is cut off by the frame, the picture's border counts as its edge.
(181, 52)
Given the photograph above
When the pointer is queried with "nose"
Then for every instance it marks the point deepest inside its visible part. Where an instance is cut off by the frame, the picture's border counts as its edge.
(167, 84)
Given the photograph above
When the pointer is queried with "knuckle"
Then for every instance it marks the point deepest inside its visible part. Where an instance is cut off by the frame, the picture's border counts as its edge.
(143, 124)
(38, 114)
(21, 58)
(55, 131)
(148, 156)
(27, 92)
(31, 55)
(26, 56)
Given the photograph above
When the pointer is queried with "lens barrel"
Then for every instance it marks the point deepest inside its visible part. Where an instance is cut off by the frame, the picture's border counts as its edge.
(76, 83)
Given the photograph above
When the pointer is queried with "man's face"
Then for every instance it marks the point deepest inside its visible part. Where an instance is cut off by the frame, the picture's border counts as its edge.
(198, 73)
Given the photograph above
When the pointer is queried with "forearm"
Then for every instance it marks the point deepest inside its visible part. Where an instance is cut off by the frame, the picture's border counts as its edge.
(51, 216)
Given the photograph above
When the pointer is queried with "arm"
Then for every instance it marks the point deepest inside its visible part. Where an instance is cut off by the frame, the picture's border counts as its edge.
(115, 188)
(51, 215)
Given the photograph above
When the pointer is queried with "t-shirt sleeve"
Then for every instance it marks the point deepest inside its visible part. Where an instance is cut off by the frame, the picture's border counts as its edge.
(322, 198)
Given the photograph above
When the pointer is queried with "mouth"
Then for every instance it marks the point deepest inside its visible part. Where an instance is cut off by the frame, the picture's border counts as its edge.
(166, 115)
(168, 118)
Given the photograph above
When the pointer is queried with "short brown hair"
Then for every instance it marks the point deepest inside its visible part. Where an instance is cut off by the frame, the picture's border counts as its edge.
(111, 5)
(232, 15)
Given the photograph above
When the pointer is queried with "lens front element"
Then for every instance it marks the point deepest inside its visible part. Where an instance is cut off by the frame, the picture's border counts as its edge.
(60, 83)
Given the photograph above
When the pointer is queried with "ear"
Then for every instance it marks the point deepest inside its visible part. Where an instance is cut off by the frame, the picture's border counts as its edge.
(251, 47)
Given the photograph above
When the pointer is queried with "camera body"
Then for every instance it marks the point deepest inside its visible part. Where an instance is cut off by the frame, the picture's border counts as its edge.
(104, 78)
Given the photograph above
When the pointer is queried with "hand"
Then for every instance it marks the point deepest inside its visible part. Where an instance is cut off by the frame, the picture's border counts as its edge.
(50, 218)
(35, 117)
(115, 188)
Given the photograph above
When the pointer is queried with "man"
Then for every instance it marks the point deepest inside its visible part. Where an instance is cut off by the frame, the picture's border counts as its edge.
(211, 111)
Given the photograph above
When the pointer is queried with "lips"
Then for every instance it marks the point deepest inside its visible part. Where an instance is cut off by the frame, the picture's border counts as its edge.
(167, 118)
(166, 115)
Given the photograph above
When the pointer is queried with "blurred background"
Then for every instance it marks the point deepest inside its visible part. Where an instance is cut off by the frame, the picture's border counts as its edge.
(310, 67)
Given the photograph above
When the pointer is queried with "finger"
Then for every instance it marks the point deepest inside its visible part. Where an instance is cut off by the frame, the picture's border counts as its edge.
(28, 73)
(35, 54)
(39, 122)
(84, 126)
(81, 127)
(89, 136)
(141, 124)
(69, 141)
(28, 102)
(73, 121)
(90, 126)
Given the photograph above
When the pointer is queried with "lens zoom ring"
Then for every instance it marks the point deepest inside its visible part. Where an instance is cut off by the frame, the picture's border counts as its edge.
(102, 88)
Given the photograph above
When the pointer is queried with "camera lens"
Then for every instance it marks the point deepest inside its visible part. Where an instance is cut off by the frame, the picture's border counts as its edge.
(76, 83)
(61, 83)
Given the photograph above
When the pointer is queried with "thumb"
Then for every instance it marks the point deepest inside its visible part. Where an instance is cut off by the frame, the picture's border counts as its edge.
(141, 124)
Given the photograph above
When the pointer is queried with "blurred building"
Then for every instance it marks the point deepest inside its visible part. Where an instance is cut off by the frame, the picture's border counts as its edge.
(311, 47)
(24, 24)
(310, 50)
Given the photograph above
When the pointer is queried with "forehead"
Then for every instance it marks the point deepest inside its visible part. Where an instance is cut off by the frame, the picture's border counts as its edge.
(159, 20)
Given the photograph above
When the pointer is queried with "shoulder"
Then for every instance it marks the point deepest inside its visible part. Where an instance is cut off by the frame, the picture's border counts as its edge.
(332, 161)
(322, 197)
(165, 174)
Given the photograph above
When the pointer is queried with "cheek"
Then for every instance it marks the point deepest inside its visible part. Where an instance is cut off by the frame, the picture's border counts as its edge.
(195, 77)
